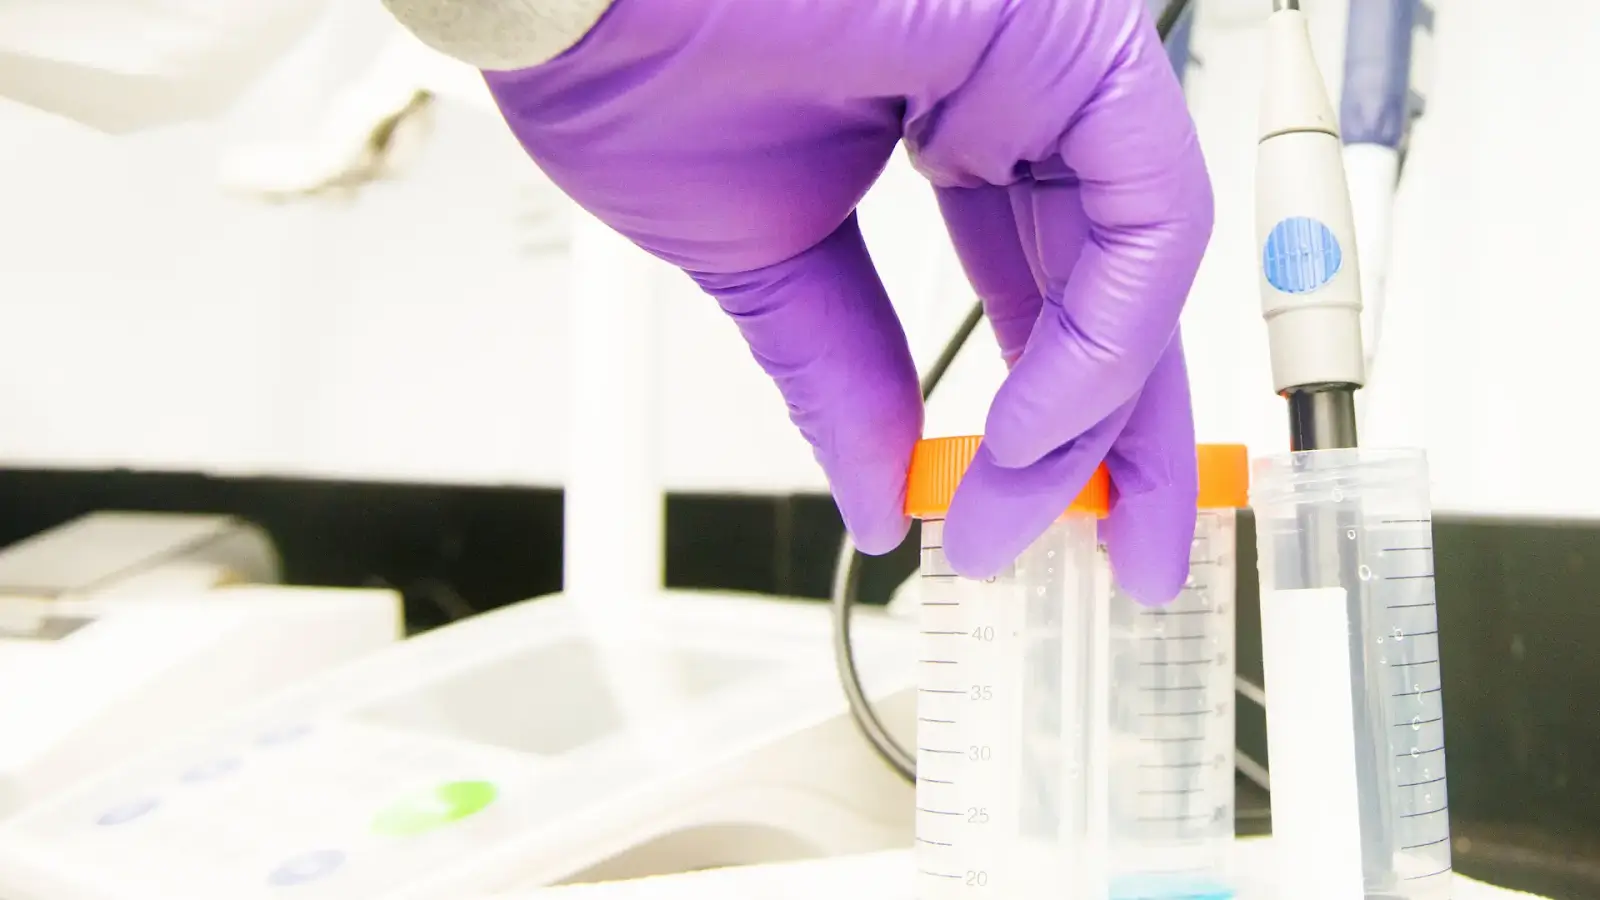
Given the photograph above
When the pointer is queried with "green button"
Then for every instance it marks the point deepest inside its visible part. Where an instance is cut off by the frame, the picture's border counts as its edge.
(444, 804)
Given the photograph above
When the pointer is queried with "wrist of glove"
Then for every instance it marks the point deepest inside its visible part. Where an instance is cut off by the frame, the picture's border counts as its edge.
(499, 35)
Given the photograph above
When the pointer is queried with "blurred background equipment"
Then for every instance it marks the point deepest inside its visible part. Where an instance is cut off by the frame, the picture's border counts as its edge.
(117, 553)
(350, 105)
(712, 734)
(119, 631)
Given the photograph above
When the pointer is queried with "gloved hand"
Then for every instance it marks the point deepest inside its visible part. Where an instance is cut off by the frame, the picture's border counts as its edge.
(734, 138)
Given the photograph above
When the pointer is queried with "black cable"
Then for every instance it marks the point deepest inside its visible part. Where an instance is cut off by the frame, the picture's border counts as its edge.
(847, 573)
(847, 583)
(1171, 15)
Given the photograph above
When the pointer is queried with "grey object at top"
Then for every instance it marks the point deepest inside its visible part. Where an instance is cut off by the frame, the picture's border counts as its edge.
(499, 35)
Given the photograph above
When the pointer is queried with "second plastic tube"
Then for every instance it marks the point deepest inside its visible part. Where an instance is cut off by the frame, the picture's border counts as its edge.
(1171, 771)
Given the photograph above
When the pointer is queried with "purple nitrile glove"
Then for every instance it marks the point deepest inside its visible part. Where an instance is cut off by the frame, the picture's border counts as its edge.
(734, 138)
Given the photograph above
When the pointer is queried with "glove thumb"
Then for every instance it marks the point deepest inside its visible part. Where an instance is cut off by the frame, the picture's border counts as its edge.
(822, 327)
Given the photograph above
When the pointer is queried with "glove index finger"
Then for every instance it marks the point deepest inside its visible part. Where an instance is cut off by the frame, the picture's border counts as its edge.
(1131, 167)
(822, 327)
(998, 511)
(1155, 483)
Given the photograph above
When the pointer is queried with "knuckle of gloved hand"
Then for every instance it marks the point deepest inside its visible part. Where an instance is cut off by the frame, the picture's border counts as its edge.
(1044, 63)
(1010, 118)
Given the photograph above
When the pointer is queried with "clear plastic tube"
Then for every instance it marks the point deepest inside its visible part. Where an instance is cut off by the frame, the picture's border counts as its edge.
(1008, 748)
(1172, 731)
(1071, 742)
(1355, 717)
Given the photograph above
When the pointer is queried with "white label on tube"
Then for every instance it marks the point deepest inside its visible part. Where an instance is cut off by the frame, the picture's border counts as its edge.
(1316, 814)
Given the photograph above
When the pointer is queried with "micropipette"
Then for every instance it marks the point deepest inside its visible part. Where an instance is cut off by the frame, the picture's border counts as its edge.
(1349, 626)
(1376, 109)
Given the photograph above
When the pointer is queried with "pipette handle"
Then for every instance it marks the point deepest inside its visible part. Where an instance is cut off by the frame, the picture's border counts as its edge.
(1310, 279)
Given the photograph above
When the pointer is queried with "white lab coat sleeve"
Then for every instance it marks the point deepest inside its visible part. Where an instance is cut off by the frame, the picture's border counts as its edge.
(499, 35)
(126, 65)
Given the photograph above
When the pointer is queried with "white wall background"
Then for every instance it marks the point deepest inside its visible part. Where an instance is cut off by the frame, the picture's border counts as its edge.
(149, 319)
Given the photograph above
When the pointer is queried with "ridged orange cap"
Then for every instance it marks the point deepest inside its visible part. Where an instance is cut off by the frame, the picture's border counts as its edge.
(937, 465)
(1224, 476)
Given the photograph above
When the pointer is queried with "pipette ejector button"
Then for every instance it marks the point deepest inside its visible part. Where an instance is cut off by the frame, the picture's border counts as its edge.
(1300, 255)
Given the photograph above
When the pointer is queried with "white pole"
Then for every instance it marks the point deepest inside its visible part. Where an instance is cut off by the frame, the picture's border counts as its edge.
(614, 509)
(613, 506)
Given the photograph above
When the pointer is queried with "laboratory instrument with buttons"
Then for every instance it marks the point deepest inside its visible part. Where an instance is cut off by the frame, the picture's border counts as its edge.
(517, 748)
(91, 682)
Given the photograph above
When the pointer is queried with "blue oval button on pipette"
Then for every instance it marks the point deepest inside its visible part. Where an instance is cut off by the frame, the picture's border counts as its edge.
(1301, 255)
